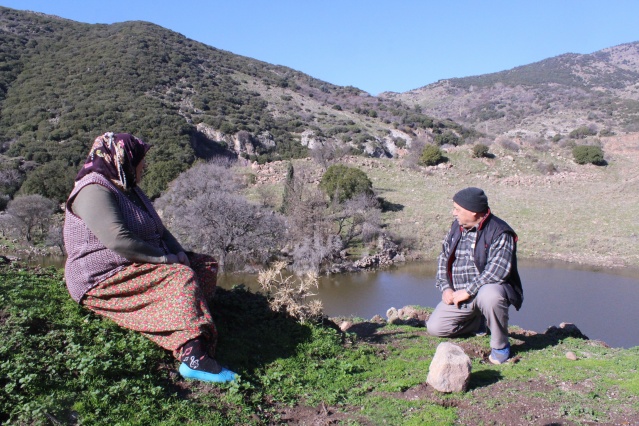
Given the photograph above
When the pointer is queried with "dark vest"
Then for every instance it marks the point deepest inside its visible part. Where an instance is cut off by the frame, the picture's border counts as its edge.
(489, 230)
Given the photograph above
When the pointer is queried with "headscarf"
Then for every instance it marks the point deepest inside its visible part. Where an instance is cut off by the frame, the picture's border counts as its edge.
(115, 156)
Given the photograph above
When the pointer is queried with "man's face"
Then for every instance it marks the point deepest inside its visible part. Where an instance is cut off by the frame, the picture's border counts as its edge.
(466, 218)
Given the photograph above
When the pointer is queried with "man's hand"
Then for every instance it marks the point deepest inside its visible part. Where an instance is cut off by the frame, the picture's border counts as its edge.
(460, 296)
(183, 259)
(447, 296)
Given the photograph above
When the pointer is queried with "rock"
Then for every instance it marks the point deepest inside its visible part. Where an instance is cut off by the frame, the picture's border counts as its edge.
(450, 368)
(564, 330)
(345, 325)
(571, 356)
(378, 319)
(393, 316)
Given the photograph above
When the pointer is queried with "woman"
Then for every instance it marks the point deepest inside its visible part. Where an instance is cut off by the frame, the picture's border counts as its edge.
(123, 264)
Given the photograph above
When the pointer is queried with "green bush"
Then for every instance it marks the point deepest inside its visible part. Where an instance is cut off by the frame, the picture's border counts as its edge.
(582, 132)
(345, 182)
(588, 154)
(431, 156)
(480, 150)
(447, 138)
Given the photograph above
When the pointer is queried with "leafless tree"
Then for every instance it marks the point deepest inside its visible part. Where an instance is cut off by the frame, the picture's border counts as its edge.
(55, 236)
(357, 217)
(202, 209)
(311, 237)
(329, 152)
(32, 214)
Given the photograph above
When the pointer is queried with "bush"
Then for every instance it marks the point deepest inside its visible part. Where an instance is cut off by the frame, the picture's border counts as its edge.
(588, 154)
(582, 132)
(345, 182)
(480, 150)
(447, 138)
(431, 156)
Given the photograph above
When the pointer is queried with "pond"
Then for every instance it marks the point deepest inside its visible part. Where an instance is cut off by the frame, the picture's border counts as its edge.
(601, 302)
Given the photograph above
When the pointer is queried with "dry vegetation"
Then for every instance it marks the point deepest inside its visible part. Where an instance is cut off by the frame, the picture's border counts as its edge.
(560, 210)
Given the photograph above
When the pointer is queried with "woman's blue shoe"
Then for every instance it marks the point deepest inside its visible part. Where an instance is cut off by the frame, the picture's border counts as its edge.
(224, 376)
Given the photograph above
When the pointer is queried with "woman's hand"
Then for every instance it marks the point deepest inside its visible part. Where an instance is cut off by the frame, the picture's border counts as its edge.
(183, 259)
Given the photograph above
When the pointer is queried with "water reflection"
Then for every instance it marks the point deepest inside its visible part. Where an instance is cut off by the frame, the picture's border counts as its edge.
(600, 302)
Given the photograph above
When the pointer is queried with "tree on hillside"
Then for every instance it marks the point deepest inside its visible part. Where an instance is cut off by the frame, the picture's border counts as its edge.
(588, 154)
(32, 214)
(201, 208)
(431, 155)
(358, 217)
(341, 182)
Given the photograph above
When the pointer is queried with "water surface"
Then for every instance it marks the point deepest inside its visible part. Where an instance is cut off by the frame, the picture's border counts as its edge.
(602, 303)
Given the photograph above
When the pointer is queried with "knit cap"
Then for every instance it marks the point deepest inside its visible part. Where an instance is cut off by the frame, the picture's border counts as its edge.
(472, 199)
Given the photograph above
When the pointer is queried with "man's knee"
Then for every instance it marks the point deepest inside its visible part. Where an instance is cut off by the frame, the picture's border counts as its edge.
(492, 297)
(435, 327)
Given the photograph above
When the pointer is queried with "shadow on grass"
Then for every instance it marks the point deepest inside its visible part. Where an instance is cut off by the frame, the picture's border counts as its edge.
(552, 337)
(250, 334)
(484, 378)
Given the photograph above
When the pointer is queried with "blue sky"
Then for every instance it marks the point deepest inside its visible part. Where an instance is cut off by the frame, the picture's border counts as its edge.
(377, 45)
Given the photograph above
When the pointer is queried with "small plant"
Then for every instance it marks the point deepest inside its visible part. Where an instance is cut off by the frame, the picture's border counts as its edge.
(480, 150)
(290, 293)
(588, 154)
(431, 156)
(343, 183)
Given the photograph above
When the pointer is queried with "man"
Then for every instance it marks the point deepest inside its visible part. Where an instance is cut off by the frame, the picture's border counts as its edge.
(477, 275)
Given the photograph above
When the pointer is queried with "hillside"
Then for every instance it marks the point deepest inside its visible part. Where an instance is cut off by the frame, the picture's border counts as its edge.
(543, 99)
(62, 83)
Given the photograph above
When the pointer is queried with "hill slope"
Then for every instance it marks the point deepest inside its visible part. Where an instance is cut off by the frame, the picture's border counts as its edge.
(553, 96)
(62, 83)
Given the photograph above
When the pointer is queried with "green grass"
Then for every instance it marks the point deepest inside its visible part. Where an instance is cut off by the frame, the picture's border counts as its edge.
(61, 363)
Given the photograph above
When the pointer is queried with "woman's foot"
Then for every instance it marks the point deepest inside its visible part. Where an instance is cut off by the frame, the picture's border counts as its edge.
(223, 376)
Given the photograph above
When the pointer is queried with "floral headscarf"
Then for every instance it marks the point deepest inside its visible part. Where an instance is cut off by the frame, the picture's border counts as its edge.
(115, 156)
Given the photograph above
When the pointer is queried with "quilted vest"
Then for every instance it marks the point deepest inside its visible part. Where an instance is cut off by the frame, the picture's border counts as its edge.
(490, 229)
(89, 262)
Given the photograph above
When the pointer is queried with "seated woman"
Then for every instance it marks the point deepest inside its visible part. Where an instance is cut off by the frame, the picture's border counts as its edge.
(124, 265)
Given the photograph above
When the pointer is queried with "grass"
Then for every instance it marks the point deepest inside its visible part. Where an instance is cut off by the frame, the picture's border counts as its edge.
(63, 365)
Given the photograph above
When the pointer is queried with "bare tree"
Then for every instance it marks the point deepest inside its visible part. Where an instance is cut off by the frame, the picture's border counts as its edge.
(202, 210)
(357, 217)
(312, 240)
(32, 214)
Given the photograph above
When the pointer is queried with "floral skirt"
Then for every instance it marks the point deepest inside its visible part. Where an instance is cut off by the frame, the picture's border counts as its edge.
(166, 303)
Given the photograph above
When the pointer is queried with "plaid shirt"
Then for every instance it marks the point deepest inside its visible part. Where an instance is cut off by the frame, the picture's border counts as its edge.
(465, 274)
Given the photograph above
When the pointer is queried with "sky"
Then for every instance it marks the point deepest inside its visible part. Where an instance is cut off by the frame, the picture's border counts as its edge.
(377, 45)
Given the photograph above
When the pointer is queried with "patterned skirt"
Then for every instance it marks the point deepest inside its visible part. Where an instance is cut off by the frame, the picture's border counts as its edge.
(166, 303)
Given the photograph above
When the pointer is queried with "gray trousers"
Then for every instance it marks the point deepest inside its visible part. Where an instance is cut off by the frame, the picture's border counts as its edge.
(490, 301)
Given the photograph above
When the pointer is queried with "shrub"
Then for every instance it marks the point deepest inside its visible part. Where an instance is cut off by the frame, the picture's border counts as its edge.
(343, 183)
(431, 156)
(447, 138)
(480, 150)
(588, 154)
(582, 132)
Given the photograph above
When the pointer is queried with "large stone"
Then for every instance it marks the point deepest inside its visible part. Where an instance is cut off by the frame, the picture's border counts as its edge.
(450, 368)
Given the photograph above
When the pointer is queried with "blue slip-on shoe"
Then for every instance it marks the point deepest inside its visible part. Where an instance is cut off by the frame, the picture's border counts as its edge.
(499, 356)
(224, 376)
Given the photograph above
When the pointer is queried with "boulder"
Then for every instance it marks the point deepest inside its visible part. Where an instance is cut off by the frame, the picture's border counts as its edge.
(450, 368)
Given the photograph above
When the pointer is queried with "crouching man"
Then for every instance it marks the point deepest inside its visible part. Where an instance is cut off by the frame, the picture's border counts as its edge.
(477, 275)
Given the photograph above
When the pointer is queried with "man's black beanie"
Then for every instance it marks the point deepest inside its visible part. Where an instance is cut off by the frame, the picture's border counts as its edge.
(472, 199)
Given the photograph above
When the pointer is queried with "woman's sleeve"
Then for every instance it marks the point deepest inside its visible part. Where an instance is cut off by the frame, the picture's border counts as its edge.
(99, 210)
(174, 246)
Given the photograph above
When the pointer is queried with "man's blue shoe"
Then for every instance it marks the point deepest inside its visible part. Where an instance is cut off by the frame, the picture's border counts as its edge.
(499, 356)
(224, 376)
